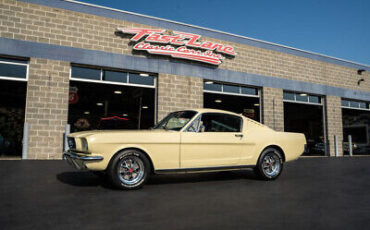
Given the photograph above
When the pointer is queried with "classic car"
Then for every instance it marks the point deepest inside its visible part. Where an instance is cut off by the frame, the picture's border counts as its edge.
(196, 140)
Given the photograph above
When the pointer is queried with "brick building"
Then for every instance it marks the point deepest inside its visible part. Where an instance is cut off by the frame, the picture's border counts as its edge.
(70, 65)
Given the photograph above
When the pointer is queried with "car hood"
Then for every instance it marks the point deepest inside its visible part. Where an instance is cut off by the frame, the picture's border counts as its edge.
(115, 132)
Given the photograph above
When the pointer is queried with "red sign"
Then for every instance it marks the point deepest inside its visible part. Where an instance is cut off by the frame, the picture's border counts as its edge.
(178, 45)
(73, 96)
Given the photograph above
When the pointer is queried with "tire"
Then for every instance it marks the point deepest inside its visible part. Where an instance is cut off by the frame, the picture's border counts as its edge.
(129, 170)
(270, 164)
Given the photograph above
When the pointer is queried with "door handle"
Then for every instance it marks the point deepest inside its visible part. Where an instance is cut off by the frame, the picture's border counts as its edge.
(239, 135)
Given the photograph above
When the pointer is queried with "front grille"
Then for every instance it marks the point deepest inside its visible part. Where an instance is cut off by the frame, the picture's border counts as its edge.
(71, 143)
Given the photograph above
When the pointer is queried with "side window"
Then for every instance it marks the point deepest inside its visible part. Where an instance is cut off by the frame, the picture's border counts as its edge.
(218, 122)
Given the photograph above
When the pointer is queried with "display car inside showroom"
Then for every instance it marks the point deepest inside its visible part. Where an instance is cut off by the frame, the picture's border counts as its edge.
(67, 66)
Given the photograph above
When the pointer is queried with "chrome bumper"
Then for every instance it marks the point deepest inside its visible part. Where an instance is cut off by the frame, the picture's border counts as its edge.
(79, 161)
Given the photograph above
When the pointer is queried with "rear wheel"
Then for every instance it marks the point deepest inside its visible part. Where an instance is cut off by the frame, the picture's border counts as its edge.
(270, 164)
(129, 169)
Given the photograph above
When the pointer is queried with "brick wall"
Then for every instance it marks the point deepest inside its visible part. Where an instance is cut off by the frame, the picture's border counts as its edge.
(334, 123)
(273, 108)
(177, 92)
(24, 21)
(47, 107)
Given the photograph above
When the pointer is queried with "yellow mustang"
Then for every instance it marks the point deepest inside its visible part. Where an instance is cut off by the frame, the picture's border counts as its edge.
(199, 140)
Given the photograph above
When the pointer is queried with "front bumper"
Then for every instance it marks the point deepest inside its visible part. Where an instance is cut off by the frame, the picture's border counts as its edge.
(79, 161)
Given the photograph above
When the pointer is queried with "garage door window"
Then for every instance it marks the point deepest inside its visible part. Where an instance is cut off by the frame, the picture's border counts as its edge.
(102, 75)
(11, 69)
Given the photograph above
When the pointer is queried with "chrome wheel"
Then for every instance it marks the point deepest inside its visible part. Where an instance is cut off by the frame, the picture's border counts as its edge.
(130, 170)
(271, 165)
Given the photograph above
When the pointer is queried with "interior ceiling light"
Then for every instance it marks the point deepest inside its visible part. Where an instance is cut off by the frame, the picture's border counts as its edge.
(208, 82)
(117, 92)
(144, 75)
(99, 104)
(124, 115)
(218, 101)
(145, 107)
(87, 112)
(303, 94)
(257, 104)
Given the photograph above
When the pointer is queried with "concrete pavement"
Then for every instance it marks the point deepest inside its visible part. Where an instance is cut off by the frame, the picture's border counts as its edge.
(311, 193)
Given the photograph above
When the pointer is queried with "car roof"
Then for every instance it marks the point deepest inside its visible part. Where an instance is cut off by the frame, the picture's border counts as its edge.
(205, 110)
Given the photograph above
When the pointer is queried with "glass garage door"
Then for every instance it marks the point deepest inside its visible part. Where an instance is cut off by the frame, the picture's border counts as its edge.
(13, 88)
(303, 113)
(356, 126)
(234, 98)
(110, 99)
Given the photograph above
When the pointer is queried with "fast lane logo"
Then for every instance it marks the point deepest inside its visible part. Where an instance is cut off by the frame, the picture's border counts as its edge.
(178, 45)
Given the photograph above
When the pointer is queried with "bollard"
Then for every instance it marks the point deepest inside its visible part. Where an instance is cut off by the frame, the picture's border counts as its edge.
(350, 145)
(25, 141)
(66, 132)
(336, 145)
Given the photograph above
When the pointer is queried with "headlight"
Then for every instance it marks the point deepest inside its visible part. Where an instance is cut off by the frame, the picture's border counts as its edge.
(84, 144)
(71, 143)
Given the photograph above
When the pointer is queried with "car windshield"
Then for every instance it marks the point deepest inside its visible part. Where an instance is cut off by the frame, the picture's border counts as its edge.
(176, 120)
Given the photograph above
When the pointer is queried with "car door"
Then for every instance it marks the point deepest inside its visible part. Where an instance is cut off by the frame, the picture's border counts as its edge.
(212, 140)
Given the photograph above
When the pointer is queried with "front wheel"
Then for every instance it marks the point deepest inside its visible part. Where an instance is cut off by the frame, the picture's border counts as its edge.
(270, 164)
(129, 169)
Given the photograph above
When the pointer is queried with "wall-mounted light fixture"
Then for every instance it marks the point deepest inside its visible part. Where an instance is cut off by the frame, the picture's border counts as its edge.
(359, 72)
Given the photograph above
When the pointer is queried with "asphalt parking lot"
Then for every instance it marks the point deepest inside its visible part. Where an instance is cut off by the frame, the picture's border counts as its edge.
(312, 193)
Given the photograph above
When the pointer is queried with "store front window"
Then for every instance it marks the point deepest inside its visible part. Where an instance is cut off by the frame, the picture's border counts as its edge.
(13, 88)
(234, 98)
(356, 126)
(110, 99)
(303, 113)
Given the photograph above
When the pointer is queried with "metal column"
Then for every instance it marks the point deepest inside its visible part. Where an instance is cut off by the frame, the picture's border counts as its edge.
(350, 145)
(336, 145)
(25, 141)
(66, 132)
